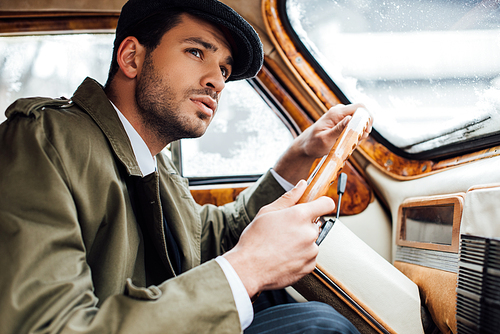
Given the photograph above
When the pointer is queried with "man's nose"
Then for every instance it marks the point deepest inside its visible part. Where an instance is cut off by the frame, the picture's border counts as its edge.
(214, 80)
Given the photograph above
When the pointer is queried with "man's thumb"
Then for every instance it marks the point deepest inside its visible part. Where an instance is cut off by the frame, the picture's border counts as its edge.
(288, 199)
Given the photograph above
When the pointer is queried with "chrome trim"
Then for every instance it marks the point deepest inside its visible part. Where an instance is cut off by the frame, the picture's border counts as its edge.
(428, 258)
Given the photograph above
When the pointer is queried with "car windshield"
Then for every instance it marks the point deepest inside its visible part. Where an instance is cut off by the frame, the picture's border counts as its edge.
(429, 70)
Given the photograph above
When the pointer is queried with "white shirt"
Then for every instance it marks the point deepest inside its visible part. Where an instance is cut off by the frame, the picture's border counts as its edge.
(146, 162)
(147, 165)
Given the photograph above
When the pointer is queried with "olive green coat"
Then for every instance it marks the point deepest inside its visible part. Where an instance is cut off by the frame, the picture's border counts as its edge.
(77, 218)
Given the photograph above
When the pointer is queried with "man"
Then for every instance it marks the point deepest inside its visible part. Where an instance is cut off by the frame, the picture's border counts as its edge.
(99, 233)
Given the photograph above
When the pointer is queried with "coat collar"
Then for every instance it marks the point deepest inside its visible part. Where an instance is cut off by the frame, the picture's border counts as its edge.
(90, 97)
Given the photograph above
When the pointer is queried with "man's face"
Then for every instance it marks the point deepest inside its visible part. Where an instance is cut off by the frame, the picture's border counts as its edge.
(180, 82)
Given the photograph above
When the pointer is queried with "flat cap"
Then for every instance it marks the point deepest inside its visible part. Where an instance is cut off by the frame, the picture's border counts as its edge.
(248, 56)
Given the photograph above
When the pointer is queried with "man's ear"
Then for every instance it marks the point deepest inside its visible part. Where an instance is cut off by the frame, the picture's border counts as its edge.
(130, 56)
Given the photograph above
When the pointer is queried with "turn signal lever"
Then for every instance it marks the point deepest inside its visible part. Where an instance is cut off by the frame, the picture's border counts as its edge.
(326, 226)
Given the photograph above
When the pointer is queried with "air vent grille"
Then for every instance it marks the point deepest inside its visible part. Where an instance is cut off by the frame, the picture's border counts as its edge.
(478, 289)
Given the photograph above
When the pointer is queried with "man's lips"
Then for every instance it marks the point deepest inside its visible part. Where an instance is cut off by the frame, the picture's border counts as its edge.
(206, 102)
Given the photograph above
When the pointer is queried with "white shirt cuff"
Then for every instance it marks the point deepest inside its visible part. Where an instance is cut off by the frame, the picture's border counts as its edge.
(240, 294)
(287, 186)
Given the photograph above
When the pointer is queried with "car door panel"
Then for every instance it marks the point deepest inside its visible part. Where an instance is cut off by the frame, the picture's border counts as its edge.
(438, 286)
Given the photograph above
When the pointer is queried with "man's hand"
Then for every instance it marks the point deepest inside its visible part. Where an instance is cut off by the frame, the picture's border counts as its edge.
(315, 142)
(278, 248)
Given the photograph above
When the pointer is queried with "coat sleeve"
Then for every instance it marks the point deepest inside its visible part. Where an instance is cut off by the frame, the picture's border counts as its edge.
(223, 225)
(46, 284)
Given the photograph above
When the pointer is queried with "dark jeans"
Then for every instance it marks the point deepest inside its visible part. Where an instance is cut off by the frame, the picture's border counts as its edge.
(276, 312)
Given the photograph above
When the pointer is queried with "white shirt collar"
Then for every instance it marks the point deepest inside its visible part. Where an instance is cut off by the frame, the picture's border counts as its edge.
(146, 162)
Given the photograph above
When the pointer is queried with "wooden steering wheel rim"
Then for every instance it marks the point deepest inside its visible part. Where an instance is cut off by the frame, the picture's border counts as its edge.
(327, 170)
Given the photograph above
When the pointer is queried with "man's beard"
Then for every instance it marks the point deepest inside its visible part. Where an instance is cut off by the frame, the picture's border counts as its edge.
(159, 111)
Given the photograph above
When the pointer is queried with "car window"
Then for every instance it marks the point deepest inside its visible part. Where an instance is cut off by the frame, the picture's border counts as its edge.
(50, 65)
(246, 137)
(429, 70)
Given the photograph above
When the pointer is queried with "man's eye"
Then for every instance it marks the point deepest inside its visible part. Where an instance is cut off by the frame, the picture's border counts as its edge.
(195, 52)
(225, 72)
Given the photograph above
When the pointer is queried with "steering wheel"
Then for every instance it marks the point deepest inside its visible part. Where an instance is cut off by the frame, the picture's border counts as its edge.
(327, 170)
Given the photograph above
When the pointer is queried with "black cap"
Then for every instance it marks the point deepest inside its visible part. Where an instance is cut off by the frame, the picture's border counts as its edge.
(248, 54)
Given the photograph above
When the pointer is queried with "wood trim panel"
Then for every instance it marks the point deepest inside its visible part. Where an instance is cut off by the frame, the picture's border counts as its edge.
(358, 194)
(392, 164)
(55, 21)
(294, 59)
(294, 110)
(386, 161)
(406, 169)
(309, 108)
(457, 200)
(216, 196)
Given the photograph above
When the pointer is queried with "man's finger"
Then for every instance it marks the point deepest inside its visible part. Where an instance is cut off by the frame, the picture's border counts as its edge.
(322, 206)
(337, 129)
(346, 110)
(288, 199)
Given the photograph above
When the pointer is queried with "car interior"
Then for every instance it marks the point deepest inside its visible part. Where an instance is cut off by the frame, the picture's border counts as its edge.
(416, 246)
